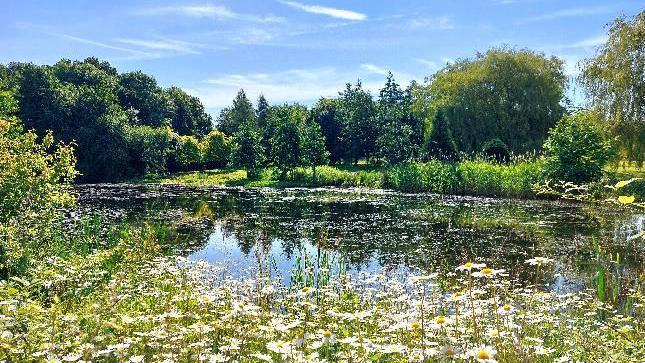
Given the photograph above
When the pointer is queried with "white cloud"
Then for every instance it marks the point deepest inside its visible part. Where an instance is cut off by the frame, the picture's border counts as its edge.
(163, 45)
(294, 85)
(441, 23)
(328, 11)
(138, 53)
(209, 11)
(372, 68)
(567, 13)
(590, 42)
(432, 65)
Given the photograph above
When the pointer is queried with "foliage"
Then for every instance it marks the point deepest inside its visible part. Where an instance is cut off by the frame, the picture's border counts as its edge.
(326, 113)
(440, 144)
(216, 148)
(189, 155)
(247, 149)
(188, 114)
(313, 146)
(497, 150)
(578, 148)
(286, 141)
(360, 131)
(241, 113)
(614, 81)
(395, 142)
(513, 95)
(34, 185)
(88, 102)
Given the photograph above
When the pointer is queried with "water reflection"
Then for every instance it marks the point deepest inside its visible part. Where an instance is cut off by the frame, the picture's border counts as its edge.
(387, 231)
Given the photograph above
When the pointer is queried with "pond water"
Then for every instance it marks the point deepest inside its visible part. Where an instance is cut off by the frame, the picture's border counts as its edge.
(383, 231)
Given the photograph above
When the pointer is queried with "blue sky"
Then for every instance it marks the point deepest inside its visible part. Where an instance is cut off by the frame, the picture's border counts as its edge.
(296, 50)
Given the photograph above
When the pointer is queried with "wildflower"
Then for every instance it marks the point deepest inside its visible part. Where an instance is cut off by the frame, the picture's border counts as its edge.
(470, 265)
(136, 359)
(415, 325)
(484, 354)
(506, 309)
(328, 337)
(449, 351)
(279, 347)
(538, 261)
(487, 272)
(422, 278)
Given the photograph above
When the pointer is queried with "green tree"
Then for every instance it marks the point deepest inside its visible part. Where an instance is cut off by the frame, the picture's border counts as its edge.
(286, 141)
(241, 113)
(248, 152)
(140, 92)
(314, 152)
(615, 82)
(394, 142)
(189, 155)
(360, 129)
(35, 179)
(187, 114)
(262, 113)
(578, 148)
(440, 144)
(513, 95)
(326, 113)
(216, 149)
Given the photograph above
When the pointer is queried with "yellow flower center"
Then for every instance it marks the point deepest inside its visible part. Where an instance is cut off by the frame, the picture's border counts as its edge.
(487, 271)
(415, 325)
(482, 354)
(507, 307)
(468, 264)
(280, 345)
(305, 289)
(449, 352)
(327, 333)
(441, 320)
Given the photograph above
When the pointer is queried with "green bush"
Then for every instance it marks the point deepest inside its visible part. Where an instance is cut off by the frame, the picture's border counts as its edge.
(35, 179)
(512, 180)
(497, 150)
(189, 155)
(433, 176)
(578, 148)
(216, 148)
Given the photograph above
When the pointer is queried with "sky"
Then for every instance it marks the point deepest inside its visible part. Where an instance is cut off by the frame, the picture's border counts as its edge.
(298, 51)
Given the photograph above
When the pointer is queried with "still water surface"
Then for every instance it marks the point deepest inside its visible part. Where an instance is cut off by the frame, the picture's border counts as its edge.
(383, 231)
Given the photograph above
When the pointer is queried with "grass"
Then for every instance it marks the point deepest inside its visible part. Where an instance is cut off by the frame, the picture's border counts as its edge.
(468, 177)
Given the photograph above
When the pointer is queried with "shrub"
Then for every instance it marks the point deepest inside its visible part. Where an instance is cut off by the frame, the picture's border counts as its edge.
(497, 150)
(440, 143)
(216, 149)
(189, 154)
(34, 185)
(578, 148)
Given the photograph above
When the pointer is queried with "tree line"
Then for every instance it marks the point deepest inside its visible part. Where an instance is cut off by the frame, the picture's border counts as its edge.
(502, 101)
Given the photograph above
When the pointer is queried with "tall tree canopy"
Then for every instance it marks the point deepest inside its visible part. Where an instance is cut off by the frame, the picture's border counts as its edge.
(360, 130)
(513, 95)
(326, 113)
(240, 113)
(615, 81)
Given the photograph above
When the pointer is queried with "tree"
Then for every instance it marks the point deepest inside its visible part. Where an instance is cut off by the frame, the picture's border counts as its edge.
(513, 95)
(262, 115)
(615, 81)
(440, 144)
(140, 92)
(187, 113)
(248, 152)
(314, 152)
(286, 141)
(216, 149)
(360, 129)
(241, 113)
(326, 113)
(578, 148)
(394, 143)
(189, 155)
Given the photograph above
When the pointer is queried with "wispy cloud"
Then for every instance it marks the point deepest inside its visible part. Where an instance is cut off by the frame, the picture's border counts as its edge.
(169, 45)
(208, 11)
(590, 42)
(101, 44)
(567, 13)
(432, 65)
(441, 22)
(305, 85)
(372, 68)
(328, 11)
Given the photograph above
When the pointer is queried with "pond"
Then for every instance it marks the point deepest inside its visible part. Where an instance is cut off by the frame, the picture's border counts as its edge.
(382, 230)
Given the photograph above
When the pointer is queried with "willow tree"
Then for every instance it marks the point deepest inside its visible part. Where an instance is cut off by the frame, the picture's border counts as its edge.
(615, 81)
(511, 95)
